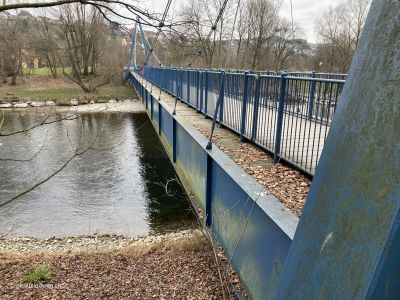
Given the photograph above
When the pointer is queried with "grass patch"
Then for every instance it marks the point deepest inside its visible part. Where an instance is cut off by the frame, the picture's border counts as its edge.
(61, 89)
(39, 274)
(45, 71)
(50, 94)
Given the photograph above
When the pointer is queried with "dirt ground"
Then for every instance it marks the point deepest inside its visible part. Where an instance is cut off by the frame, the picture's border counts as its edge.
(178, 269)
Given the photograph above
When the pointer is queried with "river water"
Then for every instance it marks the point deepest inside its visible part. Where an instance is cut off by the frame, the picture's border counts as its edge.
(115, 187)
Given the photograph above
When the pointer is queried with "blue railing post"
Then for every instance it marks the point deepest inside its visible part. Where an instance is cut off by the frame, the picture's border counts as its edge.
(188, 88)
(222, 94)
(311, 98)
(244, 105)
(217, 106)
(181, 85)
(202, 80)
(256, 108)
(206, 94)
(178, 83)
(197, 89)
(279, 124)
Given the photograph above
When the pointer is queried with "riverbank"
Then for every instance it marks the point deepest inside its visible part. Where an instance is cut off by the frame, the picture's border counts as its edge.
(61, 90)
(178, 265)
(89, 243)
(131, 105)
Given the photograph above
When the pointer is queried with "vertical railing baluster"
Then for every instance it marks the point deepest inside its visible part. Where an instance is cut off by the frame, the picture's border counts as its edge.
(255, 109)
(181, 85)
(244, 105)
(188, 87)
(197, 89)
(202, 83)
(222, 94)
(279, 124)
(311, 98)
(207, 74)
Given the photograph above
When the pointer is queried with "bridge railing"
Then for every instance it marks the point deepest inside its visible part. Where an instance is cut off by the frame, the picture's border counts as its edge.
(287, 114)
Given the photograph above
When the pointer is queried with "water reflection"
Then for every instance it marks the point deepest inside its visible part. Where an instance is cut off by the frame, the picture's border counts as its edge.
(116, 187)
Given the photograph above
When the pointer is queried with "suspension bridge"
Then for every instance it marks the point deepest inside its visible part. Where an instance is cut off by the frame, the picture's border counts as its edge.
(347, 241)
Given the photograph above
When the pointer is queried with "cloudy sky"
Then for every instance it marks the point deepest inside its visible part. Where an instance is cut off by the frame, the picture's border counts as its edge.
(305, 12)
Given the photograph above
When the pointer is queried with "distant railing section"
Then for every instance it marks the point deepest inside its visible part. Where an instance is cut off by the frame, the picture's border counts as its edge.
(288, 114)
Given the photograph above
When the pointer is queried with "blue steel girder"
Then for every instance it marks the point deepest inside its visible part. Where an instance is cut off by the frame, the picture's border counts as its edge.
(347, 243)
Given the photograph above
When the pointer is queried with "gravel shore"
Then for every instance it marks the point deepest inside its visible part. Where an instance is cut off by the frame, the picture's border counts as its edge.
(87, 243)
(178, 265)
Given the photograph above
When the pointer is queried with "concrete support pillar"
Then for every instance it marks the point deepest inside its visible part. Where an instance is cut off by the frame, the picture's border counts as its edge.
(347, 244)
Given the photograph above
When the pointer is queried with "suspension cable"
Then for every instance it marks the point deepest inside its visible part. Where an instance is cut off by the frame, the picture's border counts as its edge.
(214, 26)
(233, 30)
(162, 23)
(160, 26)
(291, 16)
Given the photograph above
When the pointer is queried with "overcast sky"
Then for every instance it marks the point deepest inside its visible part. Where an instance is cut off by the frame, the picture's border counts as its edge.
(305, 12)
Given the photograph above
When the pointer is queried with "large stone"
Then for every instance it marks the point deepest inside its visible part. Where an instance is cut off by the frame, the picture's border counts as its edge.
(37, 103)
(21, 105)
(74, 102)
(112, 101)
(50, 103)
(5, 105)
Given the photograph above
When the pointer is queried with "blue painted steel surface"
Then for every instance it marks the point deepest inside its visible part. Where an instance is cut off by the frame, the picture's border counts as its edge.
(251, 238)
(217, 107)
(254, 228)
(347, 244)
(256, 108)
(281, 105)
(167, 126)
(250, 107)
(244, 106)
(155, 110)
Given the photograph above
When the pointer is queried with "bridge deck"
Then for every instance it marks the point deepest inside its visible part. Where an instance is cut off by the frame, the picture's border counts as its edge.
(288, 185)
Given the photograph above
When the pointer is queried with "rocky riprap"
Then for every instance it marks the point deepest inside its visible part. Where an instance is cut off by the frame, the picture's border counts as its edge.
(12, 101)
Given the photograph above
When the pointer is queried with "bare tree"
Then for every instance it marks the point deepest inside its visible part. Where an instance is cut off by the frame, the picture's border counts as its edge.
(198, 18)
(286, 44)
(196, 35)
(109, 9)
(45, 43)
(339, 30)
(262, 17)
(241, 31)
(81, 28)
(11, 47)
